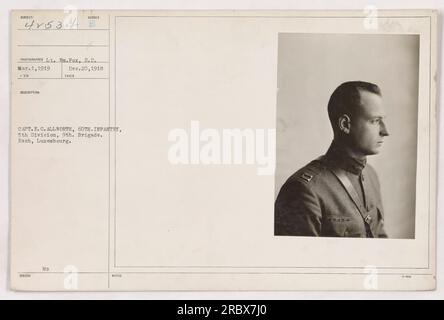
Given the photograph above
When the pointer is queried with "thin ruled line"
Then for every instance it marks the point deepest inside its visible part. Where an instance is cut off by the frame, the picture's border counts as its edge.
(267, 267)
(61, 272)
(267, 16)
(62, 78)
(45, 62)
(62, 29)
(301, 273)
(109, 156)
(430, 136)
(115, 150)
(61, 45)
(273, 17)
(244, 272)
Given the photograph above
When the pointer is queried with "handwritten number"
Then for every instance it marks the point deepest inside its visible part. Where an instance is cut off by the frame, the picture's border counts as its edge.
(48, 25)
(29, 25)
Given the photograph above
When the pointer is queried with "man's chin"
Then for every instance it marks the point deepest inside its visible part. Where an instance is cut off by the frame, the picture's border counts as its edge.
(374, 151)
(370, 152)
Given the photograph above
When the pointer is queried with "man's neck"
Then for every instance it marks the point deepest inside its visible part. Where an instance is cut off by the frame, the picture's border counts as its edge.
(339, 154)
(349, 151)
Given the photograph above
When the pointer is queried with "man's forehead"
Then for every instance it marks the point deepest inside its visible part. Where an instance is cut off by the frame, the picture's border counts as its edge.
(371, 104)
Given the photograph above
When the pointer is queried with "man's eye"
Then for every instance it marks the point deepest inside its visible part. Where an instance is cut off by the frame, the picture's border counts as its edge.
(375, 121)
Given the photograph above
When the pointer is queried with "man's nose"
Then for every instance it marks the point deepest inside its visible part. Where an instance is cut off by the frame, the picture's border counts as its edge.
(383, 130)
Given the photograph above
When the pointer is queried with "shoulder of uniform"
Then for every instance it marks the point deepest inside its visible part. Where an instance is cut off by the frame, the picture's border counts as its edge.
(309, 173)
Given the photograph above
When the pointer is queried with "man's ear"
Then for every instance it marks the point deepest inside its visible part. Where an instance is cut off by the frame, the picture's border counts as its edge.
(344, 123)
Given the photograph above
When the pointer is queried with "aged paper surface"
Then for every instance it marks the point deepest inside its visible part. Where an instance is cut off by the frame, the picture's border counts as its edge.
(103, 195)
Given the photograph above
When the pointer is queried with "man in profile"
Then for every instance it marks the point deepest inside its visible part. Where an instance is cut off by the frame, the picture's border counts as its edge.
(338, 194)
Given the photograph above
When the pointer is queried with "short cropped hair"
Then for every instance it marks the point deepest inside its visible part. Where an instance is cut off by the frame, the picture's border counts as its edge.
(346, 98)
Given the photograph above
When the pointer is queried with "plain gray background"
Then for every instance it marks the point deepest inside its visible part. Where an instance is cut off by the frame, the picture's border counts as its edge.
(7, 5)
(310, 67)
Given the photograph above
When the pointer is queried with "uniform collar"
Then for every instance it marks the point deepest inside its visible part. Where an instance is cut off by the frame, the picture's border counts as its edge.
(337, 156)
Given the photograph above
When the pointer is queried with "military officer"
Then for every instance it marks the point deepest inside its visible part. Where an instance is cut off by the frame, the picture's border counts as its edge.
(338, 194)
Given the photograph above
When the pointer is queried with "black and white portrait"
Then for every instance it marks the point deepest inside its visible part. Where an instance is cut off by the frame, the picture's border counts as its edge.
(346, 135)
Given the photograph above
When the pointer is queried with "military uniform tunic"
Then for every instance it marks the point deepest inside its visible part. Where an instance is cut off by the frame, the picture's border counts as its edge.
(316, 200)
